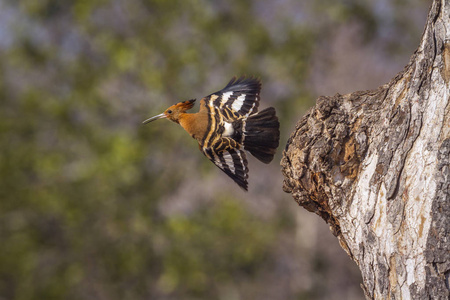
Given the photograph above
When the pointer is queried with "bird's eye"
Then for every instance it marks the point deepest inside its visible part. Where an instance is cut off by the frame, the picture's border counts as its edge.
(169, 111)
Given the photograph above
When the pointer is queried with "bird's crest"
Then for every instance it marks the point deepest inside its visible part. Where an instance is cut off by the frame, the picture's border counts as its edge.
(185, 105)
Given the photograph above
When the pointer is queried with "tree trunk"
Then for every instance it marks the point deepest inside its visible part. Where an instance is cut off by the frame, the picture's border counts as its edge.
(375, 166)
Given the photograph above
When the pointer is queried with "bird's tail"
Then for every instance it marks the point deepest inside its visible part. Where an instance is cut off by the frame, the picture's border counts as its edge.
(261, 134)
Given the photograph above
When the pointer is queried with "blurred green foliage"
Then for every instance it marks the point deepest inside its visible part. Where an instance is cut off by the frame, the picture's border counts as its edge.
(82, 183)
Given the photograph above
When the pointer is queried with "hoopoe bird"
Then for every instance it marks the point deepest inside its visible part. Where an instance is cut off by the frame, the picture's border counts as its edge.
(227, 123)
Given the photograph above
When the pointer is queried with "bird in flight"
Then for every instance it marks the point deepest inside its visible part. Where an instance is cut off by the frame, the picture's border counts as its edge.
(228, 124)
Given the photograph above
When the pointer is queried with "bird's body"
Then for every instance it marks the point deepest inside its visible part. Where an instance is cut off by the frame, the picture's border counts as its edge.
(228, 122)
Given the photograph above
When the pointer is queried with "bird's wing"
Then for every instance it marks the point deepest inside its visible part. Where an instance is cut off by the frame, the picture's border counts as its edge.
(227, 155)
(240, 98)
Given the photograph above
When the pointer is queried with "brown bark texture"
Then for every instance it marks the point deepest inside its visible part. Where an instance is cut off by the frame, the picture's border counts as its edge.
(375, 166)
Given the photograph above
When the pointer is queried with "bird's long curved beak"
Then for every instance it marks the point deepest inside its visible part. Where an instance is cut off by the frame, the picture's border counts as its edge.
(160, 116)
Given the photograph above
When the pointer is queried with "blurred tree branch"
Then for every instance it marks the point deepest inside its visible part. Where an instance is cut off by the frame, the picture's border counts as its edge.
(375, 166)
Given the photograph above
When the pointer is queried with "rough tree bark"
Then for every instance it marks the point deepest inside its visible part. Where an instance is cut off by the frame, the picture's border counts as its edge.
(375, 166)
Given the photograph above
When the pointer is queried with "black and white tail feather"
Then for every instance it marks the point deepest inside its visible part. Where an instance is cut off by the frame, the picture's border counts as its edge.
(262, 134)
(236, 125)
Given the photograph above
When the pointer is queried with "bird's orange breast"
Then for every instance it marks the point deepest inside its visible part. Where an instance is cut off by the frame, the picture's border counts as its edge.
(195, 124)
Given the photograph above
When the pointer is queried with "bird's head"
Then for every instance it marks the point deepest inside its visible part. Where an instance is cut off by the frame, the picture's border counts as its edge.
(173, 113)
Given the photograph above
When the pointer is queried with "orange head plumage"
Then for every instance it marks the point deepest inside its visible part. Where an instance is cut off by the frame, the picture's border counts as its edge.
(174, 112)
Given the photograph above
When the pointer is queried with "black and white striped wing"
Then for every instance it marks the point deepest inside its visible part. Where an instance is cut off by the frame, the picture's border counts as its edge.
(230, 160)
(240, 98)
